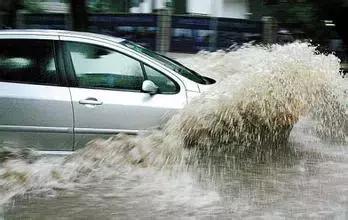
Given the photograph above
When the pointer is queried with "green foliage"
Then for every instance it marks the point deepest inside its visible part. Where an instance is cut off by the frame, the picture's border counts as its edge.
(109, 6)
(32, 6)
(286, 12)
(99, 6)
(304, 16)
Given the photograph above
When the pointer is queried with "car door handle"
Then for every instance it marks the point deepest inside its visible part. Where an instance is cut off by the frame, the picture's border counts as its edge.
(90, 101)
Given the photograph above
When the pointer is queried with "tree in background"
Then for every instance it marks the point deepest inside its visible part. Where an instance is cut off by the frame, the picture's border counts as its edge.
(109, 6)
(306, 16)
(78, 9)
(335, 10)
(179, 6)
(9, 9)
(32, 6)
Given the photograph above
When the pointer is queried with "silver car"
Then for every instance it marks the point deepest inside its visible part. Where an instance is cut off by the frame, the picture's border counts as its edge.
(60, 89)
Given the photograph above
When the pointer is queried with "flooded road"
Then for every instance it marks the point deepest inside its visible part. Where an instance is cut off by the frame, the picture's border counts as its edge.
(226, 156)
(310, 182)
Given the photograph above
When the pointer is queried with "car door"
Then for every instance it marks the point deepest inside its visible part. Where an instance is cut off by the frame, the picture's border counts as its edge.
(107, 97)
(36, 109)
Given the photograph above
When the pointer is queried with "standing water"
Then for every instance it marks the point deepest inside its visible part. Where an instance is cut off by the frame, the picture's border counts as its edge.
(269, 141)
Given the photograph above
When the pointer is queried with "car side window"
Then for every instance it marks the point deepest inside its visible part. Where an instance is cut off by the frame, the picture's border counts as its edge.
(165, 84)
(100, 67)
(28, 61)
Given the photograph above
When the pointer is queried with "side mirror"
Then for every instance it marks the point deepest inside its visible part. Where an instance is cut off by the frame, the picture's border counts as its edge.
(149, 87)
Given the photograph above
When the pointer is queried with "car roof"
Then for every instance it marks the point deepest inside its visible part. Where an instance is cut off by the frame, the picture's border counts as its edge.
(60, 33)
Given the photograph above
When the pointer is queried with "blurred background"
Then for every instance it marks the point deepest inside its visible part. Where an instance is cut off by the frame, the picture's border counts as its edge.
(188, 26)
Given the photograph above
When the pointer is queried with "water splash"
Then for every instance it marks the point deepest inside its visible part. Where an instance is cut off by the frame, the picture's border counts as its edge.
(263, 92)
(260, 94)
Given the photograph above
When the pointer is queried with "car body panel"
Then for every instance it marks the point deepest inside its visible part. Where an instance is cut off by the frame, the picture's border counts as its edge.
(36, 116)
(120, 112)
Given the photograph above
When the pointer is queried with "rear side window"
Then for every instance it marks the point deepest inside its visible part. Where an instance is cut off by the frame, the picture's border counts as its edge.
(100, 67)
(28, 61)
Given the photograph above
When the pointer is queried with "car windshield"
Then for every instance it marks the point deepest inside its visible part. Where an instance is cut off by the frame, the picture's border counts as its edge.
(168, 62)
